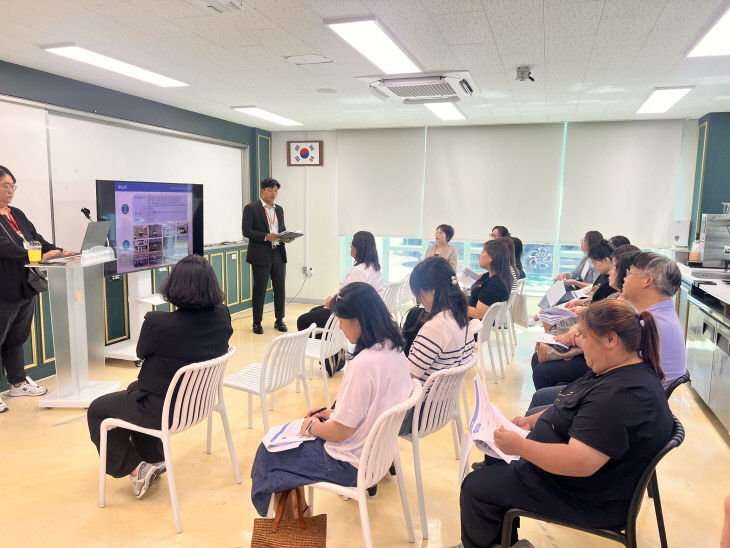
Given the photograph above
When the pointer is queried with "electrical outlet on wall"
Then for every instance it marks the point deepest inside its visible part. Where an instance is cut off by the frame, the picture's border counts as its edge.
(308, 271)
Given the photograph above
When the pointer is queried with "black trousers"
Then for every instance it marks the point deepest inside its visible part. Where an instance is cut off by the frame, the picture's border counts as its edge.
(277, 271)
(557, 372)
(318, 315)
(126, 449)
(489, 492)
(15, 321)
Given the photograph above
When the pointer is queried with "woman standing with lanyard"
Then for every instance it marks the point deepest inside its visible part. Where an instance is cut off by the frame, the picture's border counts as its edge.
(16, 294)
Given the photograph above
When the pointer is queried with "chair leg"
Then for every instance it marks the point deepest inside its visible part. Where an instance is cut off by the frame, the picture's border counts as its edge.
(323, 369)
(171, 484)
(456, 431)
(465, 401)
(221, 408)
(209, 432)
(305, 382)
(491, 358)
(419, 484)
(466, 444)
(250, 410)
(362, 503)
(264, 413)
(499, 351)
(507, 352)
(310, 496)
(658, 510)
(403, 498)
(102, 467)
(271, 401)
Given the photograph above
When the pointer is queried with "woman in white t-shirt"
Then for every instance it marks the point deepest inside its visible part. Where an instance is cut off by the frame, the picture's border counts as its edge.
(444, 339)
(366, 269)
(376, 379)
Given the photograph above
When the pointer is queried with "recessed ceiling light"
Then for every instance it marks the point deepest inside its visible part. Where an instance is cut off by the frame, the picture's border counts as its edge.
(370, 39)
(266, 115)
(102, 61)
(716, 41)
(445, 111)
(662, 99)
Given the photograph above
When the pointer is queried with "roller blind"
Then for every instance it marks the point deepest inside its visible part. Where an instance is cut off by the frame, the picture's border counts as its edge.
(621, 178)
(380, 181)
(481, 176)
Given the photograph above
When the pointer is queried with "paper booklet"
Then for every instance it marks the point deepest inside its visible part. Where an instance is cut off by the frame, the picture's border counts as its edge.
(290, 234)
(285, 436)
(486, 419)
(549, 339)
(554, 314)
(468, 277)
(555, 293)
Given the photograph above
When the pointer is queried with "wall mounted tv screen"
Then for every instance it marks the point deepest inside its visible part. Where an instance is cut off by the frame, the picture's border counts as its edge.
(153, 224)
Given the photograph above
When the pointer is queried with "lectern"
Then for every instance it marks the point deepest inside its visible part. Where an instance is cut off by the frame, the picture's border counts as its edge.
(76, 289)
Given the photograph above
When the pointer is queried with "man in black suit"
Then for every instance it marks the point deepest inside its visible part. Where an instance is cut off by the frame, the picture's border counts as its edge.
(262, 223)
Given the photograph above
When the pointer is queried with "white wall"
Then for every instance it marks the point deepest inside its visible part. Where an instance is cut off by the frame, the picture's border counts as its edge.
(309, 197)
(687, 164)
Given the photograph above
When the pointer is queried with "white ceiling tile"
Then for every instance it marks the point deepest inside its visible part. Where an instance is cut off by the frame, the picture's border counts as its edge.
(464, 28)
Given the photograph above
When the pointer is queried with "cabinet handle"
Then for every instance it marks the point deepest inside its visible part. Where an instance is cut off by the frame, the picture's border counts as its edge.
(723, 343)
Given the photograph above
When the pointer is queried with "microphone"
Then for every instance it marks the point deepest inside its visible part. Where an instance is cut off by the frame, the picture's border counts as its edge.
(86, 212)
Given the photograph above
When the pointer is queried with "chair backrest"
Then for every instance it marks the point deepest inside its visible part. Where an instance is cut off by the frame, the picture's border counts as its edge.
(404, 298)
(676, 382)
(195, 389)
(284, 359)
(519, 287)
(675, 441)
(381, 444)
(390, 295)
(440, 396)
(333, 338)
(491, 318)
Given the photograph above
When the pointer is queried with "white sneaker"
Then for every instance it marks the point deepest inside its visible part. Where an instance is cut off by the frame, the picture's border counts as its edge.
(28, 388)
(3, 407)
(147, 474)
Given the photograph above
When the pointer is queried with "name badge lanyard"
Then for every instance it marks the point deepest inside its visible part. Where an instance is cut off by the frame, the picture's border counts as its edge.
(14, 225)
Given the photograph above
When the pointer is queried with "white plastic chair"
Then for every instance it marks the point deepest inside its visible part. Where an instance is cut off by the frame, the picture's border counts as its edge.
(437, 406)
(518, 291)
(198, 386)
(378, 453)
(502, 335)
(283, 363)
(332, 341)
(488, 326)
(390, 298)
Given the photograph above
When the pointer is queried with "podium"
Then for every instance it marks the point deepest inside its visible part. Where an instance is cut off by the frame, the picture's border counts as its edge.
(76, 291)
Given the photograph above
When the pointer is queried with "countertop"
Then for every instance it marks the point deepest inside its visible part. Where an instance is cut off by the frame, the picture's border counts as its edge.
(720, 291)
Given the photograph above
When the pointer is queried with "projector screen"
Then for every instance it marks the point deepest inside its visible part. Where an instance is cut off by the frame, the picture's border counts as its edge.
(153, 224)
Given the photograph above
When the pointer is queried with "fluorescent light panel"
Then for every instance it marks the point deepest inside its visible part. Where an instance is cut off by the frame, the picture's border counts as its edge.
(445, 111)
(266, 115)
(717, 40)
(369, 38)
(662, 99)
(102, 61)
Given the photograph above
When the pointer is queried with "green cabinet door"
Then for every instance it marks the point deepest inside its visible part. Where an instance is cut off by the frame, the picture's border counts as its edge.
(216, 259)
(46, 329)
(232, 289)
(116, 309)
(158, 276)
(246, 283)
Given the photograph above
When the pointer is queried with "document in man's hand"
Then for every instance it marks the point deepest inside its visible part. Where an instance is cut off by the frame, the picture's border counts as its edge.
(486, 419)
(290, 234)
(285, 436)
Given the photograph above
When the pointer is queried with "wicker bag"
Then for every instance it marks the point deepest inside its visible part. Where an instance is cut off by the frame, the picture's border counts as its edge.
(301, 532)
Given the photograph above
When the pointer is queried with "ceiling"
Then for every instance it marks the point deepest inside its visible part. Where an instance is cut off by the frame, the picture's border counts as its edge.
(591, 59)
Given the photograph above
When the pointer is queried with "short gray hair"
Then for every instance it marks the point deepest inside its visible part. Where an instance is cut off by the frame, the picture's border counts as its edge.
(663, 270)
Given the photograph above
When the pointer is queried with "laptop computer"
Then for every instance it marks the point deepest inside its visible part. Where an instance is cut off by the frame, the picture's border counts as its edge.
(96, 235)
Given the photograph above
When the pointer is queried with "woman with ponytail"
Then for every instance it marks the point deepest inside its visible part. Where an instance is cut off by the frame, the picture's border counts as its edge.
(585, 452)
(444, 339)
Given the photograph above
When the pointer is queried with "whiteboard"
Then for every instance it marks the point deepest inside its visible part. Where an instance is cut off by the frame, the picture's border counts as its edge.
(23, 151)
(82, 151)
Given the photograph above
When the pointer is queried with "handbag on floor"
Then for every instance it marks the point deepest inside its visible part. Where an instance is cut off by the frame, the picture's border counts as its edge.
(299, 532)
(334, 363)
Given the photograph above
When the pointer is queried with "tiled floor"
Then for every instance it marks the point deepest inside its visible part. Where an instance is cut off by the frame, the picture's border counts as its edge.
(49, 475)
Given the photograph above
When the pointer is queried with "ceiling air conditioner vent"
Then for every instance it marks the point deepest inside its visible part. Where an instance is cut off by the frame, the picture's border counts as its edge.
(435, 85)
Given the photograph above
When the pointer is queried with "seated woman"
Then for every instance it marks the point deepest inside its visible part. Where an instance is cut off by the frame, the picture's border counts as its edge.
(442, 247)
(619, 240)
(500, 231)
(494, 285)
(443, 340)
(376, 379)
(366, 269)
(197, 331)
(584, 454)
(583, 274)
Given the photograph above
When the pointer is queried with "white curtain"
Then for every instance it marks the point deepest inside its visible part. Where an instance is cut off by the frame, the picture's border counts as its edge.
(621, 178)
(481, 176)
(380, 181)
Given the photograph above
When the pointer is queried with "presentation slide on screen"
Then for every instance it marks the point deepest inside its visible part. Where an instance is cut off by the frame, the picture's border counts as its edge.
(154, 223)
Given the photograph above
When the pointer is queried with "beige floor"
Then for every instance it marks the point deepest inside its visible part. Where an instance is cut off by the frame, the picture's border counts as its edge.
(49, 476)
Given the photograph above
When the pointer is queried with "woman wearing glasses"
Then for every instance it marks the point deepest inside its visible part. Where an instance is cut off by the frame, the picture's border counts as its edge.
(17, 295)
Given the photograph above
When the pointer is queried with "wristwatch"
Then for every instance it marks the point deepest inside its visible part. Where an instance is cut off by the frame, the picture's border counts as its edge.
(308, 429)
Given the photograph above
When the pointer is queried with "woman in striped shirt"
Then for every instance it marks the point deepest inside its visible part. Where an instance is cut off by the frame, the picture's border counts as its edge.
(444, 340)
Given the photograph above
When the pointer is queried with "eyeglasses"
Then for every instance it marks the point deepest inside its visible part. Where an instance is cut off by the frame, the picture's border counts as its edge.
(633, 272)
(9, 187)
